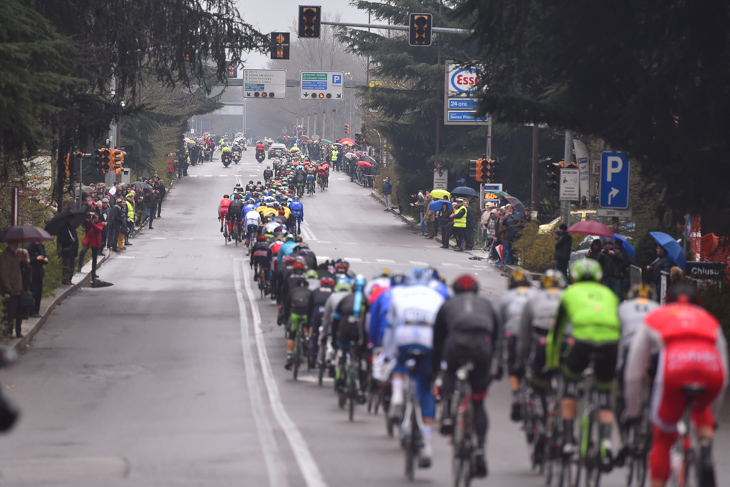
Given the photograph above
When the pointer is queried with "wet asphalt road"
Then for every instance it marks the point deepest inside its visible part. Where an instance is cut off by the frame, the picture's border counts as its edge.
(174, 375)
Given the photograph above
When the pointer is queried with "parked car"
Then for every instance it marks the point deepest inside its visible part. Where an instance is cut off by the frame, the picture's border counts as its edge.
(575, 217)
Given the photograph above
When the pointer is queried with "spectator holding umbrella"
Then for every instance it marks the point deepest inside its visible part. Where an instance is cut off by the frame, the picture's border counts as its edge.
(663, 263)
(22, 313)
(563, 246)
(38, 261)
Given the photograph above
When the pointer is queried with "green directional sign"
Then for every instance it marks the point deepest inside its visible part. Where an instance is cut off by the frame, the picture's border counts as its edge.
(314, 76)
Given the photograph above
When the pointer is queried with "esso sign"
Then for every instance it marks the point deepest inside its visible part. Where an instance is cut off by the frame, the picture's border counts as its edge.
(465, 80)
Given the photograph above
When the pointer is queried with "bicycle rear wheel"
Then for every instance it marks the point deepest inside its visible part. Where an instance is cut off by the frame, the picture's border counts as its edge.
(296, 355)
(412, 445)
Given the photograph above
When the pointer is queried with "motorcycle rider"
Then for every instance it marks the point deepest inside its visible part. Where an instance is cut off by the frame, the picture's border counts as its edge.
(268, 174)
(225, 154)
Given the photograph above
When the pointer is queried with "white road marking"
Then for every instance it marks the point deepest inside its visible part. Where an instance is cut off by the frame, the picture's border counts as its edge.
(351, 243)
(160, 238)
(323, 258)
(385, 261)
(308, 466)
(125, 256)
(313, 379)
(193, 175)
(270, 451)
(324, 242)
(352, 259)
(207, 175)
(186, 238)
(417, 262)
(223, 175)
(449, 264)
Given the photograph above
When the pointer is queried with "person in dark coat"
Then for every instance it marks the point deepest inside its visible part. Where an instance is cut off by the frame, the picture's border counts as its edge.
(160, 195)
(563, 246)
(661, 263)
(595, 251)
(151, 202)
(68, 248)
(26, 272)
(445, 220)
(38, 260)
(611, 262)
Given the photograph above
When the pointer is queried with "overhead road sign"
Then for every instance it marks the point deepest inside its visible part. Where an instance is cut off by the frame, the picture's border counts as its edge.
(569, 184)
(279, 48)
(614, 180)
(460, 96)
(264, 83)
(321, 85)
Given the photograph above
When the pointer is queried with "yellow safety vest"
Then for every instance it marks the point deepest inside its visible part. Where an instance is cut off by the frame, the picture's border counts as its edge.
(460, 218)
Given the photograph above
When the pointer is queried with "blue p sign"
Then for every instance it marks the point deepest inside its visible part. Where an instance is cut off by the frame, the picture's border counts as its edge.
(336, 79)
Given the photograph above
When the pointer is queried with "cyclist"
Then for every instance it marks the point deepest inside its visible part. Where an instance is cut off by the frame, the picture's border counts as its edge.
(631, 314)
(412, 314)
(538, 318)
(252, 220)
(299, 305)
(311, 180)
(467, 329)
(297, 215)
(234, 213)
(300, 178)
(349, 315)
(268, 174)
(223, 209)
(692, 350)
(342, 288)
(261, 258)
(320, 297)
(592, 309)
(511, 305)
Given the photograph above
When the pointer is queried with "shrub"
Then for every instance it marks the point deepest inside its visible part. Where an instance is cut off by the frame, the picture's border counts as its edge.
(535, 250)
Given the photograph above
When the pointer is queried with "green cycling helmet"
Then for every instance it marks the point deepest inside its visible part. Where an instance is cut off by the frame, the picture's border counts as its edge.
(311, 274)
(586, 270)
(343, 285)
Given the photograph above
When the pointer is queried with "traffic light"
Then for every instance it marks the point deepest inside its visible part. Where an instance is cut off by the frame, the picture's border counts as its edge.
(119, 158)
(347, 128)
(309, 21)
(279, 48)
(485, 171)
(419, 29)
(553, 175)
(106, 160)
(473, 169)
(97, 160)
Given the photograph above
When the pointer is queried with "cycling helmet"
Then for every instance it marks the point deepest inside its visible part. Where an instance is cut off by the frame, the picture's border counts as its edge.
(303, 246)
(289, 237)
(397, 279)
(237, 196)
(327, 281)
(586, 270)
(343, 285)
(341, 267)
(226, 196)
(419, 275)
(287, 260)
(258, 183)
(464, 283)
(517, 278)
(644, 291)
(300, 263)
(382, 273)
(360, 281)
(261, 238)
(311, 274)
(250, 181)
(683, 293)
(553, 279)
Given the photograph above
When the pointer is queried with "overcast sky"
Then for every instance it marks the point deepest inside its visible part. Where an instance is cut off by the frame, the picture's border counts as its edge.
(278, 15)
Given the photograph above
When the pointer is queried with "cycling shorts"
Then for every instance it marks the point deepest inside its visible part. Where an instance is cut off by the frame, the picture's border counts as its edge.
(458, 353)
(349, 330)
(680, 365)
(223, 212)
(512, 367)
(578, 358)
(536, 361)
(297, 319)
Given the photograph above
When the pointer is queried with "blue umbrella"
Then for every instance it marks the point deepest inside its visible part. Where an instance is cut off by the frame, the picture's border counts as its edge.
(674, 251)
(629, 248)
(438, 204)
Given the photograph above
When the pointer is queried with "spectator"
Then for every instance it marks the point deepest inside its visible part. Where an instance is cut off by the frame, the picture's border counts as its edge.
(429, 218)
(618, 246)
(387, 190)
(22, 313)
(38, 260)
(420, 201)
(489, 224)
(469, 231)
(563, 246)
(595, 251)
(661, 264)
(68, 249)
(113, 190)
(611, 263)
(459, 216)
(105, 216)
(510, 232)
(119, 225)
(445, 220)
(151, 202)
(93, 240)
(130, 217)
(161, 194)
(11, 284)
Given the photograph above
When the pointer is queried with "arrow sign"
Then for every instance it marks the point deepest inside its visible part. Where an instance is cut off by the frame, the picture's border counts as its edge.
(280, 39)
(612, 194)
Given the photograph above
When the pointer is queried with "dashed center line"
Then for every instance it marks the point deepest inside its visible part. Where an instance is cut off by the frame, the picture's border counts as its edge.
(417, 262)
(385, 261)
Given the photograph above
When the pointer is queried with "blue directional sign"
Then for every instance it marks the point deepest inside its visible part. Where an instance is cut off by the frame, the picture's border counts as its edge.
(614, 180)
(460, 180)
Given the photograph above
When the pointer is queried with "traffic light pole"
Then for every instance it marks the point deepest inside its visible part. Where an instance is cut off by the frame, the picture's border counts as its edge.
(438, 30)
(565, 205)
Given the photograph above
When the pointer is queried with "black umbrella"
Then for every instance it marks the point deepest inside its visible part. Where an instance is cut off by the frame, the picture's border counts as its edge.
(55, 223)
(464, 191)
(141, 185)
(517, 204)
(24, 233)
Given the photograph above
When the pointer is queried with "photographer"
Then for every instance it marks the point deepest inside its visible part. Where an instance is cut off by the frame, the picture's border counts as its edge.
(611, 262)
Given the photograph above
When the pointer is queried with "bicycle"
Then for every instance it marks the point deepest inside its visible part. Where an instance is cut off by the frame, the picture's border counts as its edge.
(301, 348)
(310, 187)
(349, 394)
(300, 189)
(412, 424)
(684, 458)
(464, 435)
(554, 433)
(262, 284)
(639, 441)
(225, 230)
(320, 180)
(236, 233)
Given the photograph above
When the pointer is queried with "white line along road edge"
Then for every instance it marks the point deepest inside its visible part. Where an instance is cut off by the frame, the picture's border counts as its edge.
(310, 471)
(269, 450)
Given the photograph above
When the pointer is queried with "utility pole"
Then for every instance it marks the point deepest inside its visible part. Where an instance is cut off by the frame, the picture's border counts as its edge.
(334, 124)
(533, 193)
(565, 205)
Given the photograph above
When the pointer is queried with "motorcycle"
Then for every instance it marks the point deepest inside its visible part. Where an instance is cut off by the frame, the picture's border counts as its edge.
(260, 155)
(226, 158)
(236, 155)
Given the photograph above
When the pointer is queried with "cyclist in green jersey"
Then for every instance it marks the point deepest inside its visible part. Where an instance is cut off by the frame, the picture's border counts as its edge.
(592, 310)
